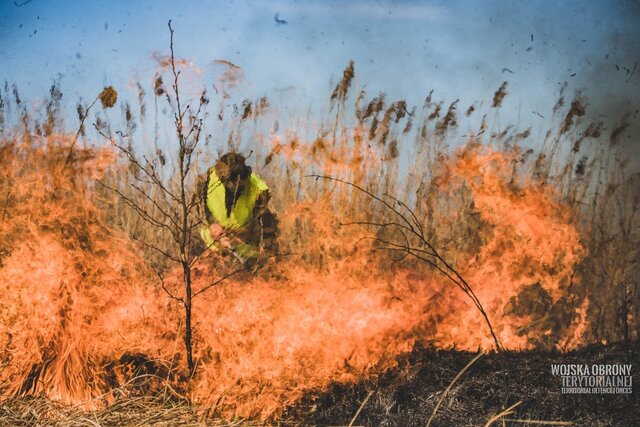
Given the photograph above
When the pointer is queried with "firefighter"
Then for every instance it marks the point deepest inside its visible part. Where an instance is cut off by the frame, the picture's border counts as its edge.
(236, 209)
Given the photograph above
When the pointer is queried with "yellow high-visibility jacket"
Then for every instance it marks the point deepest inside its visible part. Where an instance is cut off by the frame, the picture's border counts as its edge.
(241, 213)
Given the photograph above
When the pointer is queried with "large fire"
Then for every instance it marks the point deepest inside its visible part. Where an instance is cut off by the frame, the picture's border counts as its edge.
(78, 303)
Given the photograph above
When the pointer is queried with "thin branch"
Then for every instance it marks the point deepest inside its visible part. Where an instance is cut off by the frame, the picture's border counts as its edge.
(220, 280)
(539, 422)
(416, 229)
(132, 160)
(146, 216)
(502, 414)
(164, 288)
(362, 405)
(416, 222)
(75, 139)
(234, 272)
(162, 211)
(378, 224)
(367, 192)
(458, 375)
(155, 248)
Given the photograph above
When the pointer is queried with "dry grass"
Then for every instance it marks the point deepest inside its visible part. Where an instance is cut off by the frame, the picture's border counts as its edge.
(387, 149)
(409, 395)
(129, 412)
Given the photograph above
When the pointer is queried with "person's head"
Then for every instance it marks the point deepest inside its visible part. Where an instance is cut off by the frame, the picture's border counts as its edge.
(232, 171)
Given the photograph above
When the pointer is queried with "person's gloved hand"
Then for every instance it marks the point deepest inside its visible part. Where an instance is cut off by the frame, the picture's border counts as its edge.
(216, 231)
(224, 237)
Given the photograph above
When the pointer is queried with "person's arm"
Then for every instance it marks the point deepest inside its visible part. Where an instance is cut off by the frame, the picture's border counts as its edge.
(266, 218)
(265, 224)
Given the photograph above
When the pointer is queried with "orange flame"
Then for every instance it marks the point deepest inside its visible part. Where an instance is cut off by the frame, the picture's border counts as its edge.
(529, 244)
(76, 296)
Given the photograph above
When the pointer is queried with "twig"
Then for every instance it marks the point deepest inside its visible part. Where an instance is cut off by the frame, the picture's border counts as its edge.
(435, 410)
(155, 180)
(142, 212)
(415, 228)
(504, 413)
(155, 203)
(364, 402)
(75, 139)
(155, 248)
(539, 422)
(234, 272)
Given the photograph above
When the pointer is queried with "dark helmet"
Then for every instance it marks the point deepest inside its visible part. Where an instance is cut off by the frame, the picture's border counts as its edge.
(231, 167)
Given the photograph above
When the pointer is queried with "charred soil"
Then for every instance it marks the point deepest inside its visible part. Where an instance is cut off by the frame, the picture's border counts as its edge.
(407, 395)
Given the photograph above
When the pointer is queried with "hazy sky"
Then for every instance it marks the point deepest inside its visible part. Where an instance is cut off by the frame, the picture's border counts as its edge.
(462, 49)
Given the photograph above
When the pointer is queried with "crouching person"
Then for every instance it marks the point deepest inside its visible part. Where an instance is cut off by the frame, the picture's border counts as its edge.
(236, 208)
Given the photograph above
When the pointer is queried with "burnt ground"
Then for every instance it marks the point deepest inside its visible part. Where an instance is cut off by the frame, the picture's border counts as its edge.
(406, 395)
